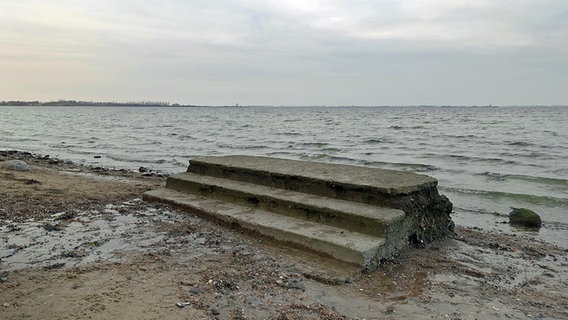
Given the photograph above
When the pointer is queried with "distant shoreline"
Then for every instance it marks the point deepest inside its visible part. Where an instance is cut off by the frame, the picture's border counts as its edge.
(74, 103)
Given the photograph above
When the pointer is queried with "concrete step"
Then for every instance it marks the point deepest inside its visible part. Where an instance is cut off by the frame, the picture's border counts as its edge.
(352, 183)
(348, 246)
(353, 216)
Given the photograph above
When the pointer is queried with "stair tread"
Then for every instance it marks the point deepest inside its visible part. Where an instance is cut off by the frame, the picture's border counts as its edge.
(353, 208)
(381, 180)
(358, 248)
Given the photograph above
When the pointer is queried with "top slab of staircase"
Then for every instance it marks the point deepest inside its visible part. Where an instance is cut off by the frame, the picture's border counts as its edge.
(347, 182)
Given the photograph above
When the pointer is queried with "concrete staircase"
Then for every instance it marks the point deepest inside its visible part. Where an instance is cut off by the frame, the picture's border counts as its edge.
(344, 212)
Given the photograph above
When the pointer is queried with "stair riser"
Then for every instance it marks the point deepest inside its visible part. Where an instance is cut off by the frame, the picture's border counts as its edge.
(319, 247)
(298, 210)
(355, 193)
(322, 248)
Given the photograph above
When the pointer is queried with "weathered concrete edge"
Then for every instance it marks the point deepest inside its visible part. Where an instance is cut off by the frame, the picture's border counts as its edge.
(285, 179)
(293, 204)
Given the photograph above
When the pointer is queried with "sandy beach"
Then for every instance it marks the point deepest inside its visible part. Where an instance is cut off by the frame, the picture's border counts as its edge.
(79, 243)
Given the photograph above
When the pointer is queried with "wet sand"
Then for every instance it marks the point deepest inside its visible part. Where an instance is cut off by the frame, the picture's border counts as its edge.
(79, 243)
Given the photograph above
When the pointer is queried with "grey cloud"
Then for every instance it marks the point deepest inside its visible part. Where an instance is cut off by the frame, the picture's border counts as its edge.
(287, 51)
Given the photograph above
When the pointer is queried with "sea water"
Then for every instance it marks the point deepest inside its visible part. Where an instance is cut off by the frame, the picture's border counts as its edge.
(486, 159)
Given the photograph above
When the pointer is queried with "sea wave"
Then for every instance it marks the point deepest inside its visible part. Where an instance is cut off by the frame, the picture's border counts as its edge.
(560, 183)
(513, 197)
(416, 167)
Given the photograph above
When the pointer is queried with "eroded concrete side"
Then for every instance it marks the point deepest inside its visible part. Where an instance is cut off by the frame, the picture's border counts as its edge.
(427, 219)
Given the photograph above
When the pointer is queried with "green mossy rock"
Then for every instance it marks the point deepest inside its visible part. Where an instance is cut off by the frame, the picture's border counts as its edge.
(525, 217)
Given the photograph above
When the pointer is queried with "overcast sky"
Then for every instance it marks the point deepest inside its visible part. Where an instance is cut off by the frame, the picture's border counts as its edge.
(286, 52)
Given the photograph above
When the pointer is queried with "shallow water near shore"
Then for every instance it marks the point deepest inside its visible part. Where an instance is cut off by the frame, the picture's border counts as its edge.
(82, 238)
(486, 160)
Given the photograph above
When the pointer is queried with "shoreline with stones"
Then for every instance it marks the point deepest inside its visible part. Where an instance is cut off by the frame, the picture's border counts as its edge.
(79, 243)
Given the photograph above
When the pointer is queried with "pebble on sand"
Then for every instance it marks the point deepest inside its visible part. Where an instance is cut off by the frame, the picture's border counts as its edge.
(17, 165)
